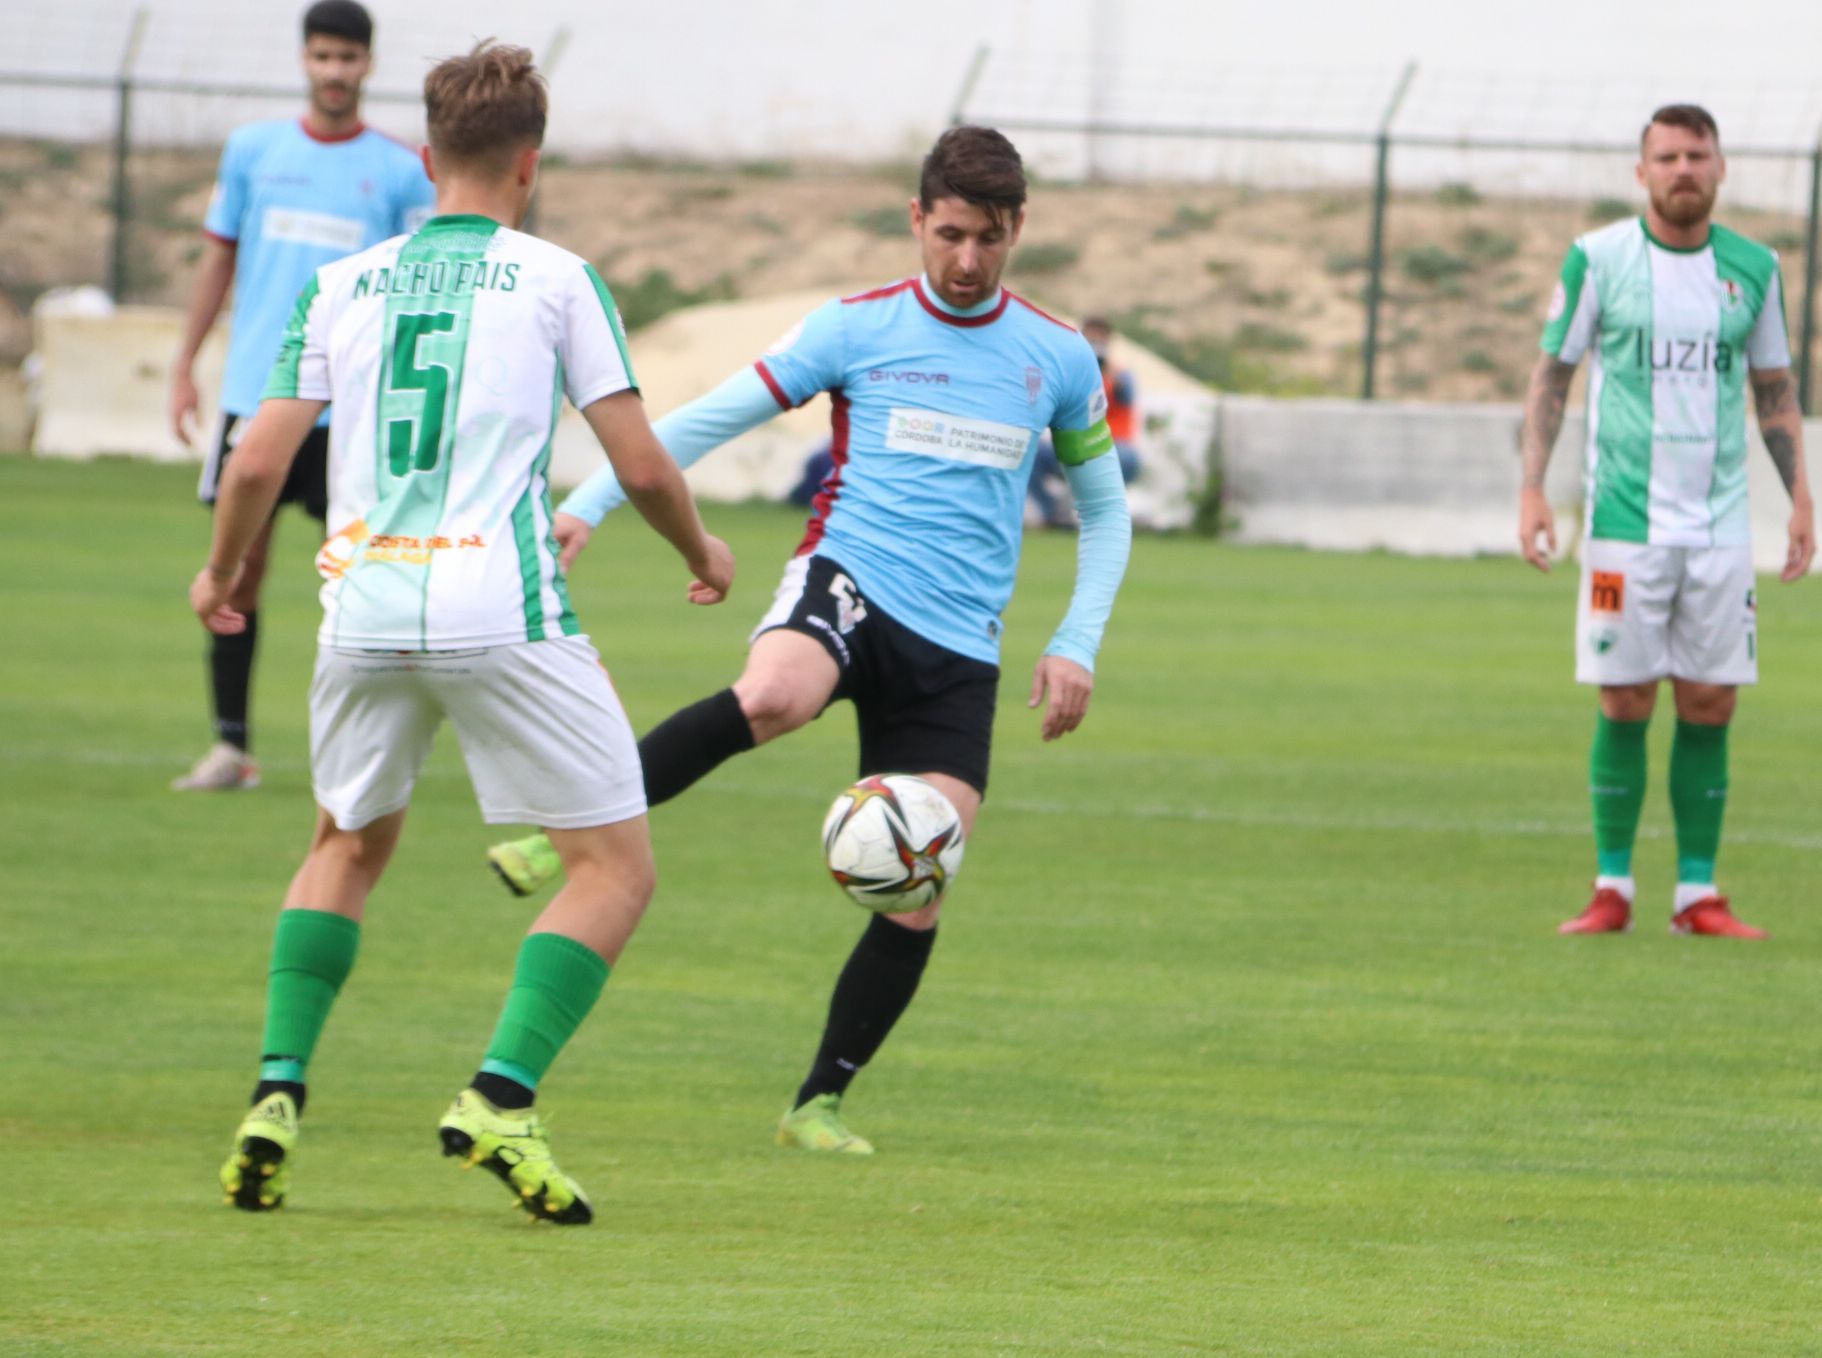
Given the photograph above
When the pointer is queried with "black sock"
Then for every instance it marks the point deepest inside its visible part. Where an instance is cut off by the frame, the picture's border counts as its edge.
(692, 743)
(500, 1091)
(291, 1087)
(874, 989)
(230, 680)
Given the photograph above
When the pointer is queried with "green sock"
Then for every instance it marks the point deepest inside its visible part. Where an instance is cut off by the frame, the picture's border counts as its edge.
(554, 986)
(1616, 783)
(312, 954)
(1698, 797)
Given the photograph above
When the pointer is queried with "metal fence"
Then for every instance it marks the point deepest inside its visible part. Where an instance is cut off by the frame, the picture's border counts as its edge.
(1368, 143)
(125, 86)
(1100, 135)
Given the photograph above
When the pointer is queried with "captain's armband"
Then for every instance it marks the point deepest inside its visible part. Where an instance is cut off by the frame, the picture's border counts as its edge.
(1076, 446)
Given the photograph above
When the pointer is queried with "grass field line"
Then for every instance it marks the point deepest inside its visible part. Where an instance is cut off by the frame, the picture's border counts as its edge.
(1516, 829)
(1145, 811)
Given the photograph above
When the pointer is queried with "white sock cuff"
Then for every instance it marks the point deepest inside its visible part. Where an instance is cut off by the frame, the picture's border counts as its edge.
(1624, 885)
(1688, 893)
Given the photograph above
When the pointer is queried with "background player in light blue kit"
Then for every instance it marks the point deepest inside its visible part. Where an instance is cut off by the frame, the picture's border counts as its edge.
(940, 386)
(293, 194)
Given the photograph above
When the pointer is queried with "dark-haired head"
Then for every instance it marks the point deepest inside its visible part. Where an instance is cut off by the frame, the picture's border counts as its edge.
(1690, 117)
(969, 210)
(1681, 168)
(339, 19)
(979, 166)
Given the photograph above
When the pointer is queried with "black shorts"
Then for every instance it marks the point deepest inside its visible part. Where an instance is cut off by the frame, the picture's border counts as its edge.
(921, 708)
(306, 485)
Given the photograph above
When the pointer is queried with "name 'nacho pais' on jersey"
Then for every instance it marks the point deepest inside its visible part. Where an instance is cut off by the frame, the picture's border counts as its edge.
(936, 420)
(446, 356)
(1671, 335)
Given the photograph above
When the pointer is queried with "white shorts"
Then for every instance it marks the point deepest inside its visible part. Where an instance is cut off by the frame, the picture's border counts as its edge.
(546, 740)
(1647, 613)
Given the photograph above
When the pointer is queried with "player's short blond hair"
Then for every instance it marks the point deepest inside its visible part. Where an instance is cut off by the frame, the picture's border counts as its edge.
(484, 107)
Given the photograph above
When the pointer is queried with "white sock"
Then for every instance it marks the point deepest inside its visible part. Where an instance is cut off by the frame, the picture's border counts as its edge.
(1688, 893)
(1623, 885)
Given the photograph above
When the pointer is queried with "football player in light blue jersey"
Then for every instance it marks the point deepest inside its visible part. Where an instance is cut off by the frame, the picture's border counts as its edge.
(940, 386)
(293, 194)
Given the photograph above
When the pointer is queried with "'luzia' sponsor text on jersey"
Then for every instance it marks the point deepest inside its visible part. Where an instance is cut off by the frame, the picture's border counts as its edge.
(1671, 335)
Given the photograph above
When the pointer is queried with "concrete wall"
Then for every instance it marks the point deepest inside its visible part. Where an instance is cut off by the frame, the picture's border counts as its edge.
(104, 390)
(1332, 474)
(1420, 478)
(103, 384)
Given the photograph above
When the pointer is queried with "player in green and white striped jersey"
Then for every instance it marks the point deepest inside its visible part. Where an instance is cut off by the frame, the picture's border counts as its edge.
(1676, 314)
(445, 357)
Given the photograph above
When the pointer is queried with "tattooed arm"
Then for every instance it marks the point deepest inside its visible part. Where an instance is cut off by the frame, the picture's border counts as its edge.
(1544, 402)
(1781, 422)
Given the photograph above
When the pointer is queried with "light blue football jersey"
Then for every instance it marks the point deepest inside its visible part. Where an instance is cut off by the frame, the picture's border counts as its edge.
(936, 421)
(291, 203)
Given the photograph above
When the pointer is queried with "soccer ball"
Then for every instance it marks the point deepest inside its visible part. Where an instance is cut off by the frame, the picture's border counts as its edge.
(893, 842)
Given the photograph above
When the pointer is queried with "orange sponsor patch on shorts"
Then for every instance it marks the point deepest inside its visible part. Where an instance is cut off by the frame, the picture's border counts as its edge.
(1607, 592)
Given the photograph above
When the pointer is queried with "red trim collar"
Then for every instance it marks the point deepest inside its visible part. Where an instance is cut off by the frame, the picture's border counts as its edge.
(890, 290)
(1040, 311)
(985, 318)
(314, 135)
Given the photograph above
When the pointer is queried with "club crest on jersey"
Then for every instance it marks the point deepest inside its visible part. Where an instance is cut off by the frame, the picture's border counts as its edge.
(1034, 385)
(1731, 294)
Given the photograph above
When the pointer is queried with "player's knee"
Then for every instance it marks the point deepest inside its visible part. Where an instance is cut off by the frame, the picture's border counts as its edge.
(1707, 706)
(920, 920)
(1629, 702)
(639, 880)
(356, 851)
(772, 705)
(611, 869)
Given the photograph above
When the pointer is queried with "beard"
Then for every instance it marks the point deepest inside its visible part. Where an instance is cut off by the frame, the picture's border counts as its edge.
(1685, 208)
(334, 100)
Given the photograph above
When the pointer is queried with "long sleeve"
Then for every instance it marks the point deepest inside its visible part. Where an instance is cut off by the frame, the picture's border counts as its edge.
(688, 434)
(1102, 547)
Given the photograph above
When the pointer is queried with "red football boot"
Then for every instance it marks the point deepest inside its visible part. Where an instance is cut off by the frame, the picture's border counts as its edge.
(1608, 913)
(1710, 916)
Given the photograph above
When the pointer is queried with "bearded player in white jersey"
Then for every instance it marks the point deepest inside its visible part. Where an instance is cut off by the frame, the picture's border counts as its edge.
(1675, 313)
(445, 357)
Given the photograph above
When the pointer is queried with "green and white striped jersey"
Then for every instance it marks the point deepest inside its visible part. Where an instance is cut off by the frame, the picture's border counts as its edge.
(1670, 334)
(446, 356)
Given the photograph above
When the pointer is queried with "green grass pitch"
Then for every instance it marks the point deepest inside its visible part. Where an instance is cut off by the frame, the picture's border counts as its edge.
(1248, 1032)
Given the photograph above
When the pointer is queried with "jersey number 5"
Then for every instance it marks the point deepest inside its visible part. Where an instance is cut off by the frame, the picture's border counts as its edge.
(412, 444)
